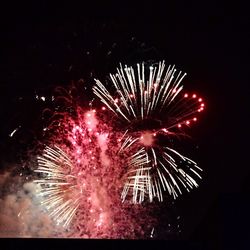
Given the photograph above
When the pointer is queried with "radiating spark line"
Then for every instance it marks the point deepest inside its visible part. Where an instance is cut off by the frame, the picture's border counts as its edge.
(14, 131)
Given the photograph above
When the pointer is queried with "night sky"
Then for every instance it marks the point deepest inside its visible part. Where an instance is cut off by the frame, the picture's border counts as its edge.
(44, 45)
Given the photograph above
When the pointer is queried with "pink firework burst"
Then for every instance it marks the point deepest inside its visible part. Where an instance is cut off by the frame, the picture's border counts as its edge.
(105, 168)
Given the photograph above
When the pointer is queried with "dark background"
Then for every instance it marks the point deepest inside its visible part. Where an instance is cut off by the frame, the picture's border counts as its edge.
(45, 44)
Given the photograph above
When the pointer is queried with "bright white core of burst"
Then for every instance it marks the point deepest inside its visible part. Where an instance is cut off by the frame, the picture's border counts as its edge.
(147, 139)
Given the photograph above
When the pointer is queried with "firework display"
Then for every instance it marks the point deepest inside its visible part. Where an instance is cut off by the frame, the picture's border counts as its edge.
(107, 164)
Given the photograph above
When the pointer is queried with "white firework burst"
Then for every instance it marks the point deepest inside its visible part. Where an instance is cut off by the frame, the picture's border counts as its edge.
(57, 185)
(143, 95)
(150, 172)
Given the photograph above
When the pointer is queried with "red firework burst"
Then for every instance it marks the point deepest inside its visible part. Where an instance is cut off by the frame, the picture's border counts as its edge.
(99, 168)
